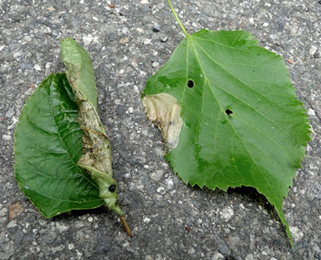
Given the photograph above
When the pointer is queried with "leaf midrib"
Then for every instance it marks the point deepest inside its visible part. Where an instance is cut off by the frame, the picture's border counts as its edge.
(61, 139)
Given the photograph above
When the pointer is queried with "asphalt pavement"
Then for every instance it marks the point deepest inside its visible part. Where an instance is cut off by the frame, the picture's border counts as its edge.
(129, 41)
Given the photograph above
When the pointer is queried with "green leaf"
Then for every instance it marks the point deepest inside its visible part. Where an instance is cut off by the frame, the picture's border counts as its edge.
(229, 115)
(48, 145)
(80, 72)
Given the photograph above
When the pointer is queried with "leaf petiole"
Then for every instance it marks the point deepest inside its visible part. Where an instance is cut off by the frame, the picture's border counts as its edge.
(125, 225)
(177, 19)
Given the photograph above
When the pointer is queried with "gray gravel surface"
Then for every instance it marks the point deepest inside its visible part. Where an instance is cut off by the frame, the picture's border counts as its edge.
(128, 41)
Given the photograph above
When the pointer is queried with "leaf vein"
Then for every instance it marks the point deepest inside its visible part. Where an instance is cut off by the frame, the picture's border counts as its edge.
(238, 79)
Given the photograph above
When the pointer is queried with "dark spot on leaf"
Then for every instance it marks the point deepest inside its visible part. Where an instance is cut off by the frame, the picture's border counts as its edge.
(228, 112)
(190, 83)
(112, 188)
(319, 2)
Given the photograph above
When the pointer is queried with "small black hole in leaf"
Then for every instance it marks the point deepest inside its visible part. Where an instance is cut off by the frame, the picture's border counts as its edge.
(112, 188)
(228, 112)
(190, 83)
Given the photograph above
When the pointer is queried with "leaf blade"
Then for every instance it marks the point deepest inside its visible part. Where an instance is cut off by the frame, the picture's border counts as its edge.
(47, 148)
(242, 122)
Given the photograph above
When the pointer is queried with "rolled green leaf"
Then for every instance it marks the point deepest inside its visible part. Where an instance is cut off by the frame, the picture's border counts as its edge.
(79, 69)
(62, 153)
(96, 152)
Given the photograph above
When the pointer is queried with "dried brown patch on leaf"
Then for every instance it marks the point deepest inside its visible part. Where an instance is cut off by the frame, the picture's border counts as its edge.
(164, 111)
(96, 153)
(96, 150)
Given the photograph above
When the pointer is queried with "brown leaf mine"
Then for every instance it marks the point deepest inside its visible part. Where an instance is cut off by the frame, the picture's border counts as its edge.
(96, 152)
(96, 147)
(163, 110)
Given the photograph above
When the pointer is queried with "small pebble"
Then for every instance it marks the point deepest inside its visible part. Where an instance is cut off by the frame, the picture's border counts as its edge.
(37, 67)
(147, 41)
(311, 112)
(156, 28)
(164, 38)
(147, 220)
(313, 50)
(227, 213)
(6, 137)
